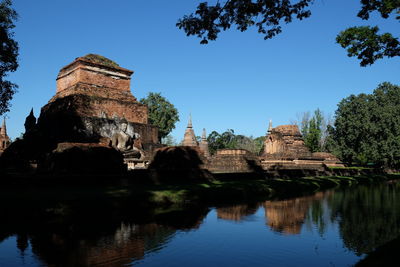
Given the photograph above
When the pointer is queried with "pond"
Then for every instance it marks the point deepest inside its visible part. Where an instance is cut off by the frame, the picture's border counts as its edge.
(333, 228)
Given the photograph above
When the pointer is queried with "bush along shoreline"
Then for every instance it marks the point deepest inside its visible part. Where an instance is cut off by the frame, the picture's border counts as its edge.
(206, 193)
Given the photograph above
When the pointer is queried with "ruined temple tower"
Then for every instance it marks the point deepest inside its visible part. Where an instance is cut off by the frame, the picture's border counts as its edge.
(4, 139)
(30, 122)
(285, 141)
(189, 138)
(93, 101)
(204, 144)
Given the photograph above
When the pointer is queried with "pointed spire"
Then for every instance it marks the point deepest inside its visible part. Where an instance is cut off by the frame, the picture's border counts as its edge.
(204, 135)
(3, 131)
(270, 126)
(30, 122)
(204, 144)
(190, 121)
(189, 139)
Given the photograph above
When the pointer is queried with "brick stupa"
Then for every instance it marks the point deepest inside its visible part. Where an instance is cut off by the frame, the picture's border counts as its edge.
(92, 100)
(284, 147)
(285, 141)
(189, 139)
(4, 139)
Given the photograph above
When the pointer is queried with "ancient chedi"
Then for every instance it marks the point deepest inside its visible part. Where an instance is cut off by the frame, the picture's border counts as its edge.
(30, 123)
(203, 145)
(285, 141)
(189, 139)
(93, 103)
(4, 139)
(284, 147)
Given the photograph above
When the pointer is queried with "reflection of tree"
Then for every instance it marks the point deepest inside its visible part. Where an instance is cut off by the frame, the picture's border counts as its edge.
(236, 212)
(316, 215)
(368, 216)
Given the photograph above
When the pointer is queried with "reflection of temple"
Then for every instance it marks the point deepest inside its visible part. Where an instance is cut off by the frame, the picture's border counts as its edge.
(4, 139)
(93, 240)
(287, 216)
(129, 242)
(237, 212)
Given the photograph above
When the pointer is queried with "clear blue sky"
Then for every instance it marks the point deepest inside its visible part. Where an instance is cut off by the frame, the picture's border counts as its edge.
(238, 82)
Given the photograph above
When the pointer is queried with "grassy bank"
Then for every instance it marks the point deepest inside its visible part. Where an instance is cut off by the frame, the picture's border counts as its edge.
(250, 190)
(211, 193)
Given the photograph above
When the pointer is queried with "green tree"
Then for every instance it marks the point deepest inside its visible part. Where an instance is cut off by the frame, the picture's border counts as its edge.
(313, 134)
(250, 143)
(162, 113)
(169, 140)
(365, 42)
(8, 54)
(367, 128)
(220, 141)
(268, 15)
(314, 129)
(229, 140)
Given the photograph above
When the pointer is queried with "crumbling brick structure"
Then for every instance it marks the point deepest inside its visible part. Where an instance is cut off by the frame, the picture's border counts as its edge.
(92, 100)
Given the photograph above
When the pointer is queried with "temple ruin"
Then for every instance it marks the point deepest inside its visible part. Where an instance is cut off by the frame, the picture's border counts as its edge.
(284, 148)
(190, 140)
(92, 112)
(4, 139)
(94, 104)
(93, 101)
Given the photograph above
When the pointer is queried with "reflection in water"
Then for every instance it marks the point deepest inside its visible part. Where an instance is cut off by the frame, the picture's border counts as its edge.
(83, 235)
(287, 216)
(129, 242)
(115, 234)
(237, 212)
(368, 217)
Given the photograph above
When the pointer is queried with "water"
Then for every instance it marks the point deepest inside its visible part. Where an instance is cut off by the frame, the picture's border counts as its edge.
(333, 228)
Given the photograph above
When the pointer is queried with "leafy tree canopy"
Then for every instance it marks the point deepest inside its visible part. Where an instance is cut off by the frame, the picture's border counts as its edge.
(268, 15)
(8, 53)
(314, 129)
(162, 113)
(313, 132)
(228, 139)
(367, 128)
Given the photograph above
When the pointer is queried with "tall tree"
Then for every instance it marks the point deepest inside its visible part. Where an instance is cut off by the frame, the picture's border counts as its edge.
(8, 54)
(312, 139)
(314, 129)
(367, 128)
(162, 113)
(268, 15)
(169, 140)
(228, 139)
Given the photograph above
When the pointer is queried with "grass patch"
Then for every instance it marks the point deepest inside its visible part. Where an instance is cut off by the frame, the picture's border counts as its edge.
(212, 193)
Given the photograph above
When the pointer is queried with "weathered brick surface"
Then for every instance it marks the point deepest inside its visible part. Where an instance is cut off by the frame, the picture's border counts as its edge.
(233, 161)
(284, 148)
(86, 72)
(285, 141)
(92, 101)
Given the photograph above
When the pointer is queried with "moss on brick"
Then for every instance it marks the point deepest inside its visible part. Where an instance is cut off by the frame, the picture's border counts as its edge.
(101, 60)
